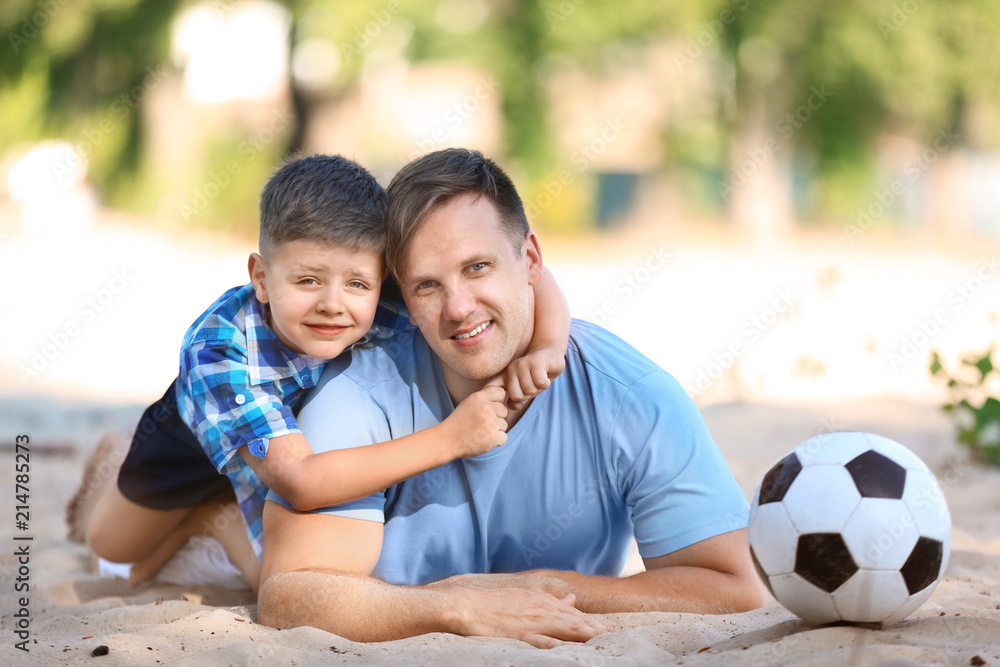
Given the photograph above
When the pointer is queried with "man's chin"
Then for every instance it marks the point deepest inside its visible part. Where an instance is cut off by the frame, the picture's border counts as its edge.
(479, 372)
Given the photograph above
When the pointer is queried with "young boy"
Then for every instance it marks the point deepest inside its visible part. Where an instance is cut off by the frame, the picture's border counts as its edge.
(245, 363)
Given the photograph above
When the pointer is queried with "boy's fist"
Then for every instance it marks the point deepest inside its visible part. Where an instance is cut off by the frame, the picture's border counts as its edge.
(527, 376)
(477, 425)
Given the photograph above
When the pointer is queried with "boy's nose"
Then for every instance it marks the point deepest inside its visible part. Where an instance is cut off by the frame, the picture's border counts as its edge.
(330, 301)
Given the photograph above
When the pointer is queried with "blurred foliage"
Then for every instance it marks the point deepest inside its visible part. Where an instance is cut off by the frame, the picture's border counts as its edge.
(975, 411)
(915, 66)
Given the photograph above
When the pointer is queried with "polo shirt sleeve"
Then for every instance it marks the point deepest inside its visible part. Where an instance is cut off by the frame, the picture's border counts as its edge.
(229, 410)
(676, 484)
(340, 414)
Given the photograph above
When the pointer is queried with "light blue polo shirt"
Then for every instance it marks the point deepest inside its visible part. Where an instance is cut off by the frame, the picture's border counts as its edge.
(614, 447)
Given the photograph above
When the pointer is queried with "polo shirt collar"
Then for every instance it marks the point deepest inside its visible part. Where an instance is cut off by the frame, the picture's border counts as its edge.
(270, 360)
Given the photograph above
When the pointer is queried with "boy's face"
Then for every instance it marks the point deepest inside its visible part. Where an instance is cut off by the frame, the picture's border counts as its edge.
(321, 298)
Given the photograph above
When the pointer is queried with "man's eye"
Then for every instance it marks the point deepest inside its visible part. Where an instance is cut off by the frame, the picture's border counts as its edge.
(478, 266)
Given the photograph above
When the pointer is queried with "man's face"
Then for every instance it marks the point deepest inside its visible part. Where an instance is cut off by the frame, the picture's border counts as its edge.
(321, 298)
(469, 290)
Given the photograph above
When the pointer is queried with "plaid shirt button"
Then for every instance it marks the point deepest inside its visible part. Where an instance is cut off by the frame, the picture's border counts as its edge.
(240, 399)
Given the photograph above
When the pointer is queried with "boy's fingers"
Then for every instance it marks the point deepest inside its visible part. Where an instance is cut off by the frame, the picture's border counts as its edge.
(513, 385)
(540, 377)
(495, 381)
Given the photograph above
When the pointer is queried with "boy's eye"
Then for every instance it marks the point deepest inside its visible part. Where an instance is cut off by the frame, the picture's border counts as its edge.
(308, 281)
(427, 284)
(357, 284)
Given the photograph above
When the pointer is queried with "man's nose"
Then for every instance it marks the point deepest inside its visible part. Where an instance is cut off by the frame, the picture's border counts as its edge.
(459, 303)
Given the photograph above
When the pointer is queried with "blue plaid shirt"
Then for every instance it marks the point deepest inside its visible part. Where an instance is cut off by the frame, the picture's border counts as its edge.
(239, 385)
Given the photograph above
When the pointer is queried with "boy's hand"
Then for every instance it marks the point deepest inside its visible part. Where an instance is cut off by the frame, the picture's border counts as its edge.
(477, 425)
(527, 376)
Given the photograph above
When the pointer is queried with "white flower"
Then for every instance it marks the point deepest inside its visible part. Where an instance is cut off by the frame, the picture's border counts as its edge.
(990, 435)
(965, 419)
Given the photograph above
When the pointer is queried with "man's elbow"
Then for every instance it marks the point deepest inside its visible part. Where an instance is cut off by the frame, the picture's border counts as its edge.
(293, 599)
(287, 600)
(277, 602)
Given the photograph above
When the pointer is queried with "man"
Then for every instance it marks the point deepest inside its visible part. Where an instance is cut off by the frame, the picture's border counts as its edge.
(526, 540)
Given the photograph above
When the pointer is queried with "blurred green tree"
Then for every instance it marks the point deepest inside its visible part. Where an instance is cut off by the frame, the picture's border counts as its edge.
(918, 66)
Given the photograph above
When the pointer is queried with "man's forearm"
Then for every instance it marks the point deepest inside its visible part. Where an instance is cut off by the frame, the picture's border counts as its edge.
(356, 607)
(364, 609)
(682, 589)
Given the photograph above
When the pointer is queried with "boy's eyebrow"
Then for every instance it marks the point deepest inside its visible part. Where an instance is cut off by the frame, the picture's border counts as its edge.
(303, 268)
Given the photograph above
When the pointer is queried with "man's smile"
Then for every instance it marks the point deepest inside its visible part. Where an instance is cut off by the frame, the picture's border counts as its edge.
(471, 337)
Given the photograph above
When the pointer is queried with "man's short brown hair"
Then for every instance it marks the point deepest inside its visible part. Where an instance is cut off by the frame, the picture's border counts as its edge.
(431, 181)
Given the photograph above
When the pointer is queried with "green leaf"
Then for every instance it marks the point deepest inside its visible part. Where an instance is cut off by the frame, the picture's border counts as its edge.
(935, 364)
(990, 412)
(984, 364)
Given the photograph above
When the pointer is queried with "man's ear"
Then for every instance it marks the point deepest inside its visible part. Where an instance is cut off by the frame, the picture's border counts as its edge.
(533, 256)
(257, 271)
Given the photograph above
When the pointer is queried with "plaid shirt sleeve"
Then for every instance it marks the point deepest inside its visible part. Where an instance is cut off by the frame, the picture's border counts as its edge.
(391, 316)
(229, 410)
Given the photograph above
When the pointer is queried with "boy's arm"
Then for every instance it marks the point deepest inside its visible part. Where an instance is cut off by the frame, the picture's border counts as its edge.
(545, 359)
(309, 481)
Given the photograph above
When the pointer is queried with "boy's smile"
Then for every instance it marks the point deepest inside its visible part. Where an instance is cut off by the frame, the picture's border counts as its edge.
(321, 298)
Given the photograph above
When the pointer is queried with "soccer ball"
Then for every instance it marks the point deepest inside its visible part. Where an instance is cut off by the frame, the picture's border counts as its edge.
(850, 527)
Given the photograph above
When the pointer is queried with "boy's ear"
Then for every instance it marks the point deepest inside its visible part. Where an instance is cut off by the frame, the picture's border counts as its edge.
(533, 256)
(255, 266)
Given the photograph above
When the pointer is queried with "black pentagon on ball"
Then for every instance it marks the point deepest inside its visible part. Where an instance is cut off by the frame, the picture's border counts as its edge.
(778, 479)
(922, 567)
(877, 476)
(761, 573)
(824, 560)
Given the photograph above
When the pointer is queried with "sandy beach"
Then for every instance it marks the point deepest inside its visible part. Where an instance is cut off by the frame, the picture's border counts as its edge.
(73, 611)
(822, 364)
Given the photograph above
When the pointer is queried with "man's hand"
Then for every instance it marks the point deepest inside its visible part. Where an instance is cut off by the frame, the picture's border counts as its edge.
(477, 425)
(527, 376)
(539, 618)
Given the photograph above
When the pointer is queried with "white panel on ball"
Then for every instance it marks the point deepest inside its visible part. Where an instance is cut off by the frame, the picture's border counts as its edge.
(773, 538)
(821, 499)
(909, 605)
(804, 600)
(880, 533)
(925, 500)
(870, 596)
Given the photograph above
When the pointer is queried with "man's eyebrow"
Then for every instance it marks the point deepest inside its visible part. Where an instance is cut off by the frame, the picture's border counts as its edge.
(414, 282)
(484, 257)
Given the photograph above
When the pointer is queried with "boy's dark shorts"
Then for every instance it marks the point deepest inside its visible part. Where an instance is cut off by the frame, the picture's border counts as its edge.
(166, 468)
